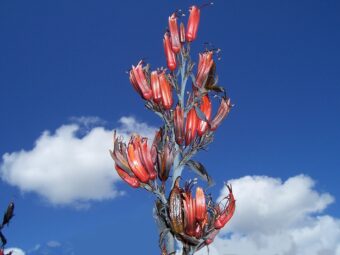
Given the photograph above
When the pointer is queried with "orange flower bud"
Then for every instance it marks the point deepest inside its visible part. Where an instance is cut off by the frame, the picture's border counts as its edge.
(169, 54)
(132, 181)
(166, 91)
(205, 63)
(173, 27)
(179, 124)
(222, 112)
(206, 109)
(191, 126)
(139, 81)
(156, 89)
(193, 22)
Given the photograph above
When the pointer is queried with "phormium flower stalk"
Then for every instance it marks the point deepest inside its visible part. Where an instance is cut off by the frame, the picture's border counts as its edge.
(192, 219)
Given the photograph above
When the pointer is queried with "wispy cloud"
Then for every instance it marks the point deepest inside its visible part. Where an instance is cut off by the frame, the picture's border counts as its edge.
(279, 218)
(66, 168)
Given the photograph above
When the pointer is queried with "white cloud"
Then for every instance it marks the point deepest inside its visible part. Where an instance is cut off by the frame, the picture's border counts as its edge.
(68, 167)
(53, 244)
(15, 251)
(279, 218)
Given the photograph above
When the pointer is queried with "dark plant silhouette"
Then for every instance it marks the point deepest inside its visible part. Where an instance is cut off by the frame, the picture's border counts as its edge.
(6, 219)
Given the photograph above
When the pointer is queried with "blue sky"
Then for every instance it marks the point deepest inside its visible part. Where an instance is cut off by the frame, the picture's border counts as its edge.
(63, 59)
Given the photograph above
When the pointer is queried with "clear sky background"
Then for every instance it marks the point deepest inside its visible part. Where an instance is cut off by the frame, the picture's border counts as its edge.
(63, 67)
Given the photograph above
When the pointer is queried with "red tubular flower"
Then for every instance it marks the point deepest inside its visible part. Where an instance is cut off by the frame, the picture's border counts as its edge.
(156, 89)
(193, 22)
(205, 63)
(201, 207)
(222, 112)
(169, 54)
(139, 81)
(191, 126)
(166, 91)
(145, 156)
(135, 161)
(132, 181)
(206, 109)
(173, 27)
(179, 124)
(189, 214)
(228, 212)
(182, 33)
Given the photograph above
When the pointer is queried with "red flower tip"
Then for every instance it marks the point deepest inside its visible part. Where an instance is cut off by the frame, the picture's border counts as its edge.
(193, 22)
(169, 54)
(173, 27)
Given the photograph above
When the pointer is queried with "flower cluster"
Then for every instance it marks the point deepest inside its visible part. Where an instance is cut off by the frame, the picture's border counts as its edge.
(194, 219)
(190, 123)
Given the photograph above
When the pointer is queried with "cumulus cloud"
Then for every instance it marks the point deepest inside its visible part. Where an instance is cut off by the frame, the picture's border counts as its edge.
(15, 251)
(72, 165)
(278, 218)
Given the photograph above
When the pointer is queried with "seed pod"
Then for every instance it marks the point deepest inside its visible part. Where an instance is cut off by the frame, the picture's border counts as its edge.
(222, 112)
(179, 124)
(175, 208)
